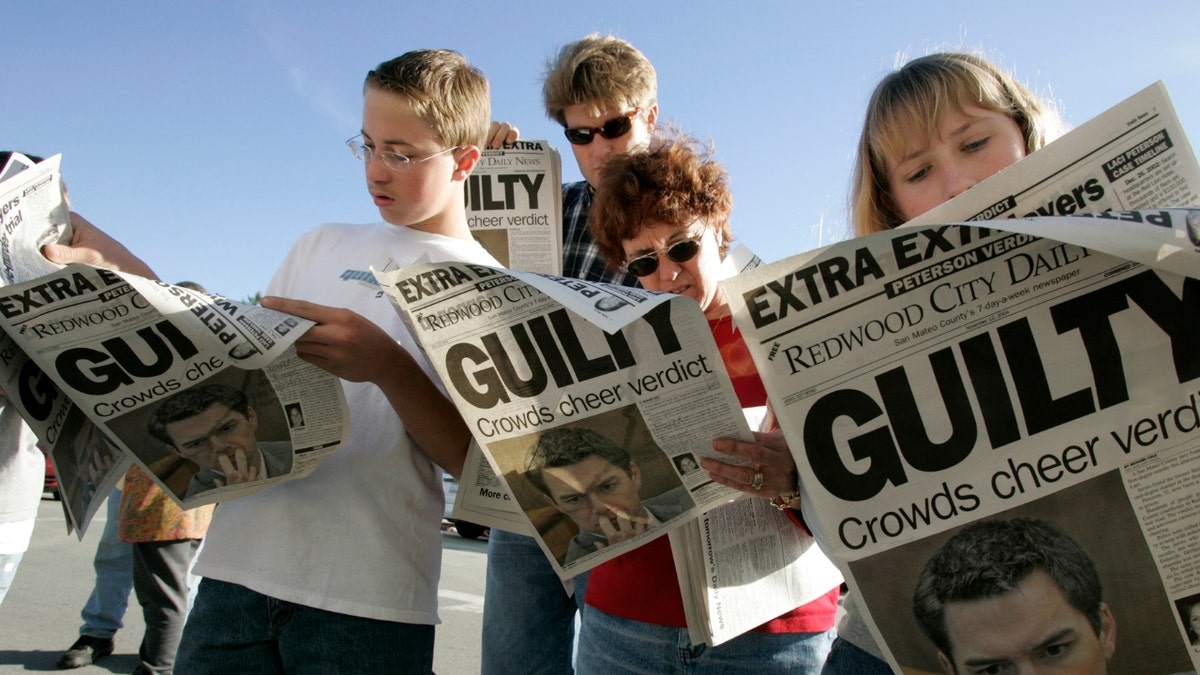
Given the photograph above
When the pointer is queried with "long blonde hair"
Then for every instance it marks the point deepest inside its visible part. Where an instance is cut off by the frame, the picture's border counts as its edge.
(911, 101)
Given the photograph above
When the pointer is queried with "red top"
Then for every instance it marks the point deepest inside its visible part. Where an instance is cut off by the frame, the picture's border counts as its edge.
(642, 585)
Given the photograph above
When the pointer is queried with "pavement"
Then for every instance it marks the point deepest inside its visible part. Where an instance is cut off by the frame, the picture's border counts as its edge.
(40, 616)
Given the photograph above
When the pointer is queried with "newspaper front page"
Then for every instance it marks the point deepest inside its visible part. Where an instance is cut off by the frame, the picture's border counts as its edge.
(525, 368)
(927, 379)
(514, 205)
(90, 356)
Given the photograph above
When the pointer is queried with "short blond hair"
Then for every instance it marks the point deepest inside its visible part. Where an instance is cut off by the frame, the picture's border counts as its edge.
(598, 70)
(911, 102)
(444, 90)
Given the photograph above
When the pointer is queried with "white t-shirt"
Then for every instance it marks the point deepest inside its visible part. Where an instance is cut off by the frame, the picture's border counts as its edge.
(361, 534)
(22, 479)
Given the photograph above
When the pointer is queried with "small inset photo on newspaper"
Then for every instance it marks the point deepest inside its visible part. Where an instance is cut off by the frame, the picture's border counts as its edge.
(1071, 563)
(1189, 616)
(592, 483)
(226, 431)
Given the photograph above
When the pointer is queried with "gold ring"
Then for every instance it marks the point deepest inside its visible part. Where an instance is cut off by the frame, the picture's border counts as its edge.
(758, 481)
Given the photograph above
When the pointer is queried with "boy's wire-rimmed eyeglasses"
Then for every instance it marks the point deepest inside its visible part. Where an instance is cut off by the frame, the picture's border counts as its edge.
(392, 160)
(679, 253)
(611, 129)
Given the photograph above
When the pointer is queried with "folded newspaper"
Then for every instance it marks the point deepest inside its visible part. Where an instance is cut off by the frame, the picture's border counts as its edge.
(1042, 368)
(205, 393)
(514, 205)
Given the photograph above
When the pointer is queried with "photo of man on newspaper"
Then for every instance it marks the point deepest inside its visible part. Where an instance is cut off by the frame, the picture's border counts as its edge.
(1039, 554)
(215, 426)
(597, 484)
(1015, 594)
(593, 483)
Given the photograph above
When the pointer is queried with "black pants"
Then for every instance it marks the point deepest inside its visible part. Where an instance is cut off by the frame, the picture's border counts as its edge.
(160, 579)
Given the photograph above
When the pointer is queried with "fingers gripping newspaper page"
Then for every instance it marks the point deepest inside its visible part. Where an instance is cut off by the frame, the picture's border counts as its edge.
(581, 425)
(205, 393)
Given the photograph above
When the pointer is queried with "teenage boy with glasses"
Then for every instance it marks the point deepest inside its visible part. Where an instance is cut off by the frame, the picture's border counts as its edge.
(604, 92)
(338, 571)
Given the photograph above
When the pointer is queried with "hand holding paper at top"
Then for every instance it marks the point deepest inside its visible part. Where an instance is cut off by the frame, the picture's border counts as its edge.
(93, 246)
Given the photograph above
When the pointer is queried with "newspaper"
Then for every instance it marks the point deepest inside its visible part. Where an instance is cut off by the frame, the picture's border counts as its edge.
(936, 375)
(995, 374)
(89, 355)
(33, 213)
(520, 358)
(483, 498)
(739, 564)
(514, 205)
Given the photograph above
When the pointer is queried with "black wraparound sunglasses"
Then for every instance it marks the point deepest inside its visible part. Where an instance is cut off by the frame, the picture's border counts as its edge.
(679, 252)
(612, 129)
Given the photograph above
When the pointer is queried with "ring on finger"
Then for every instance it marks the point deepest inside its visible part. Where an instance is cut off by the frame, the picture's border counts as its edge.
(757, 483)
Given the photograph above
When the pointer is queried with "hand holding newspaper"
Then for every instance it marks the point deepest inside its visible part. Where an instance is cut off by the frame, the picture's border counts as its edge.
(1030, 370)
(207, 394)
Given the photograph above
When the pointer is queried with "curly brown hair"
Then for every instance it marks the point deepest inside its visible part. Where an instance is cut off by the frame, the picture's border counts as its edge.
(674, 182)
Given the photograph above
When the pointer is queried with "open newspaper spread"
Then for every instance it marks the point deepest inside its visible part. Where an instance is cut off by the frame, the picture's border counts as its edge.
(938, 375)
(514, 205)
(89, 356)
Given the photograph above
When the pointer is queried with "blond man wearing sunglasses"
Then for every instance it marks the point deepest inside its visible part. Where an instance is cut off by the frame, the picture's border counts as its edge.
(604, 93)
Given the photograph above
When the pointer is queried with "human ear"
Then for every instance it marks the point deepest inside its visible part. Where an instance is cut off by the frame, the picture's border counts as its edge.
(652, 115)
(466, 158)
(947, 665)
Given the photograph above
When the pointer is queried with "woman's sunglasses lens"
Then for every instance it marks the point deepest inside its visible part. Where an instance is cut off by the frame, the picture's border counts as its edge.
(683, 251)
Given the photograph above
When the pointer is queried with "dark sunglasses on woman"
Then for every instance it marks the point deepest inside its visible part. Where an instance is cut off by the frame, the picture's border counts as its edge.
(612, 129)
(679, 252)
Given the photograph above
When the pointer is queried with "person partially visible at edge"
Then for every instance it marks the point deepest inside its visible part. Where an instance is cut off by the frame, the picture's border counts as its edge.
(1016, 596)
(104, 611)
(215, 426)
(291, 581)
(597, 484)
(22, 476)
(604, 93)
(932, 130)
(663, 215)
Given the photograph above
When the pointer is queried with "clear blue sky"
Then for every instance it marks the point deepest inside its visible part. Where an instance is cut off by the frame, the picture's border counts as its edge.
(208, 135)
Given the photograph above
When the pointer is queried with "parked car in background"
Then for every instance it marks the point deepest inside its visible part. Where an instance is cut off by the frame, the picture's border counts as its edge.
(51, 479)
(465, 529)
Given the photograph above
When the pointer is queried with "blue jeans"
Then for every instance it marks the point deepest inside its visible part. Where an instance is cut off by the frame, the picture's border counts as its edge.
(9, 562)
(610, 644)
(104, 611)
(233, 629)
(846, 658)
(528, 619)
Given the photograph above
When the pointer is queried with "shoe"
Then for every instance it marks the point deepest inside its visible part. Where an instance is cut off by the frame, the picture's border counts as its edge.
(86, 651)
